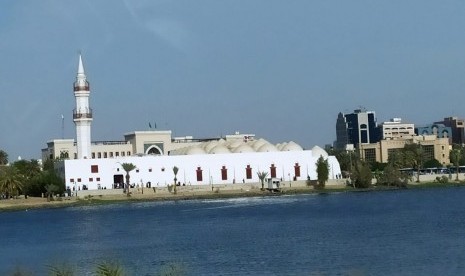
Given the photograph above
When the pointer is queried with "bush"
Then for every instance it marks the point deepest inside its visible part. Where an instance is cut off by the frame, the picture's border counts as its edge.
(442, 179)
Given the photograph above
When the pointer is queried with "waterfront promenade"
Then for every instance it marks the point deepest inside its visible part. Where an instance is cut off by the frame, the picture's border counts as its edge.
(188, 192)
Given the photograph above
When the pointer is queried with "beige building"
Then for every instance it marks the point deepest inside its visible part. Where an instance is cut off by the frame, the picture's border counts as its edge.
(395, 129)
(153, 142)
(433, 148)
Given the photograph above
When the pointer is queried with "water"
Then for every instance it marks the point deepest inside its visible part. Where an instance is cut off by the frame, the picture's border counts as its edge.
(404, 232)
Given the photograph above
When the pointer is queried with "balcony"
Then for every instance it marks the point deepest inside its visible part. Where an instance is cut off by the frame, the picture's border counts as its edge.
(82, 115)
(81, 87)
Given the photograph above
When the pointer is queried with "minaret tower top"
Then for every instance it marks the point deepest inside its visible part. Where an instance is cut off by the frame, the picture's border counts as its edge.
(81, 83)
(82, 114)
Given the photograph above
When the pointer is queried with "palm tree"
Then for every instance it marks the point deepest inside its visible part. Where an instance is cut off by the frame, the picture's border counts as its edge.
(127, 167)
(175, 171)
(455, 155)
(11, 182)
(262, 176)
(3, 157)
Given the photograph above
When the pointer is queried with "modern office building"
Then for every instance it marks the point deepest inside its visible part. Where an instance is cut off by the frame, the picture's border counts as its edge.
(356, 128)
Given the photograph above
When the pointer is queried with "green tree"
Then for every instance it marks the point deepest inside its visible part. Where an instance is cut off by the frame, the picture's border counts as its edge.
(262, 176)
(322, 171)
(344, 158)
(413, 157)
(11, 182)
(28, 171)
(396, 158)
(362, 174)
(391, 176)
(432, 163)
(36, 186)
(3, 157)
(175, 172)
(50, 190)
(455, 156)
(128, 167)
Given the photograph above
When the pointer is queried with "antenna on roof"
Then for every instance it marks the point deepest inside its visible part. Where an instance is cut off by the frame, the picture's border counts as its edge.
(62, 126)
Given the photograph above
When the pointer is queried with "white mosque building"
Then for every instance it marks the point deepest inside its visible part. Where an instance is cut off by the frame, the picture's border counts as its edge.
(230, 159)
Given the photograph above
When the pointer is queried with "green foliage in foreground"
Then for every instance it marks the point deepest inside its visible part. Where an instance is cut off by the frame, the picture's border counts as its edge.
(104, 268)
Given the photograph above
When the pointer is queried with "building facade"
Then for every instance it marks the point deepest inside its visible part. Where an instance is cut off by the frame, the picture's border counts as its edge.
(432, 146)
(226, 160)
(396, 129)
(457, 127)
(195, 169)
(356, 128)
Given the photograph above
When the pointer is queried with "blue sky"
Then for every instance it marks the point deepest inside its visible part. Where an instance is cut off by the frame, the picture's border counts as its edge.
(279, 69)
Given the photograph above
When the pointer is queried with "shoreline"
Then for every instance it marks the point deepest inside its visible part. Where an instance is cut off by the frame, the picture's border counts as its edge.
(32, 203)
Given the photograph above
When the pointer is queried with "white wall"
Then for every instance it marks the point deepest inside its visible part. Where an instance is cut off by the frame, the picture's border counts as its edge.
(211, 165)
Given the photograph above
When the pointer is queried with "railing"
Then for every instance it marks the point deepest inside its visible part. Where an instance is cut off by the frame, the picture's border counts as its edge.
(81, 87)
(79, 115)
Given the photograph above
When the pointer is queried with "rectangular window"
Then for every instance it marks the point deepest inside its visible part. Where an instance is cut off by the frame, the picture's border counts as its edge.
(150, 170)
(129, 153)
(224, 173)
(199, 174)
(248, 172)
(105, 155)
(93, 155)
(91, 179)
(71, 180)
(297, 170)
(370, 155)
(117, 154)
(122, 153)
(98, 178)
(99, 155)
(111, 154)
(94, 169)
(79, 180)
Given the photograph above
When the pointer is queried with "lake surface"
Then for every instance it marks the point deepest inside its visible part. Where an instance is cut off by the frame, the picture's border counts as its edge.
(403, 232)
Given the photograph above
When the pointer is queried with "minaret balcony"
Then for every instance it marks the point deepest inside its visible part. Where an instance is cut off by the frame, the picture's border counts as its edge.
(81, 87)
(82, 115)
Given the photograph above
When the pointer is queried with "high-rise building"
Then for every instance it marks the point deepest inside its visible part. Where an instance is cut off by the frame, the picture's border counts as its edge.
(458, 129)
(356, 128)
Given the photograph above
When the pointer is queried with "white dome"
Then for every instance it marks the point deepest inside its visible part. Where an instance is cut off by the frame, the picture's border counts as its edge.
(236, 143)
(243, 148)
(210, 146)
(219, 149)
(267, 148)
(291, 146)
(195, 150)
(317, 152)
(260, 142)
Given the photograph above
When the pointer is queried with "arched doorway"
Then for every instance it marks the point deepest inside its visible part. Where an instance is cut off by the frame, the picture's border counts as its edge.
(154, 150)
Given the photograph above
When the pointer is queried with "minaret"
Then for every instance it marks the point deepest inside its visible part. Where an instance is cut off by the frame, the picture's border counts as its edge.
(82, 114)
